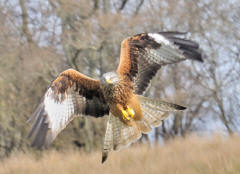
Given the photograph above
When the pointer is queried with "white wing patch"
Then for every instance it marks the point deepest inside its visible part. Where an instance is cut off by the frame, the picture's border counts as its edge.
(59, 113)
(66, 98)
(159, 38)
(53, 115)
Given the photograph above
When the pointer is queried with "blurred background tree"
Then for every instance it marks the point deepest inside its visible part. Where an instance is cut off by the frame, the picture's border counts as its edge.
(40, 39)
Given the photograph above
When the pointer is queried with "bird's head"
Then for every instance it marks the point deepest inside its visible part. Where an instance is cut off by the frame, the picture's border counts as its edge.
(110, 78)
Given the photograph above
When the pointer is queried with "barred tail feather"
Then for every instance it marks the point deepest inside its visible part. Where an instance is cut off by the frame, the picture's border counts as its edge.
(108, 139)
(144, 125)
(154, 112)
(119, 135)
(124, 135)
(159, 105)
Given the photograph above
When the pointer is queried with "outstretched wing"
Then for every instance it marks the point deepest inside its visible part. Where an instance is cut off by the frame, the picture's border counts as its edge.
(142, 55)
(71, 94)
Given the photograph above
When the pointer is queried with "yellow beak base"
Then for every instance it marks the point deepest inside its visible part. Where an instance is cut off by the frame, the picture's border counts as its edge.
(109, 81)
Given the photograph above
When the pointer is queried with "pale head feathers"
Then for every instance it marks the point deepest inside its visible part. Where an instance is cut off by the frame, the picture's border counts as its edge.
(109, 78)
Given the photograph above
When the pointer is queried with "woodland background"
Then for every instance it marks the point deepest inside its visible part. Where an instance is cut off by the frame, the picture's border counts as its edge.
(41, 38)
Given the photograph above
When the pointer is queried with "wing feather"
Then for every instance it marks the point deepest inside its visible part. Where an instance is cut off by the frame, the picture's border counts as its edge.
(143, 55)
(71, 94)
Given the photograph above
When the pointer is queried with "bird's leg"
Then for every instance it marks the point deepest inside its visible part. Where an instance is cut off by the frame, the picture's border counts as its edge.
(125, 114)
(130, 112)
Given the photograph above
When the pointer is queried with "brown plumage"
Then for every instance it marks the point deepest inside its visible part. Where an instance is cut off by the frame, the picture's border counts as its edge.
(117, 94)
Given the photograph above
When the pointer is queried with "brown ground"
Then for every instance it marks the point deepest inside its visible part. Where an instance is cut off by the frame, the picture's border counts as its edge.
(182, 156)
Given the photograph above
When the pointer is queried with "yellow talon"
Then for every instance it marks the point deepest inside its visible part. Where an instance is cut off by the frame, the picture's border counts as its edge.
(130, 112)
(125, 115)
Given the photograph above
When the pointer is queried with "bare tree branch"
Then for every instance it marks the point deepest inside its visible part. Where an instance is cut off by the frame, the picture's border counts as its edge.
(26, 30)
(138, 7)
(123, 4)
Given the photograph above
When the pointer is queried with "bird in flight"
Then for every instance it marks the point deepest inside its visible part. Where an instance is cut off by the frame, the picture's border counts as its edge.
(117, 94)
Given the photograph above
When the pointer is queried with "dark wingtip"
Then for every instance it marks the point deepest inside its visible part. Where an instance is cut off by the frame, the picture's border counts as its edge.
(198, 55)
(203, 56)
(200, 60)
(104, 158)
(180, 107)
(190, 48)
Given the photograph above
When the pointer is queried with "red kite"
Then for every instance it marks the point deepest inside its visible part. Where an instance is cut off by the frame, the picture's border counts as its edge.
(117, 94)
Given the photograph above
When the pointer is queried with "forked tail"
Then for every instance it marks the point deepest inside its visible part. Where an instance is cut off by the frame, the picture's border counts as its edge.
(154, 112)
(120, 135)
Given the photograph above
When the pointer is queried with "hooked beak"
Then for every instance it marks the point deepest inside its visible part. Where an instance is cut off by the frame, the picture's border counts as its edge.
(108, 81)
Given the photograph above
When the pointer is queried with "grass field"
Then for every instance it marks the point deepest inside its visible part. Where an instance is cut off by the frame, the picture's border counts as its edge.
(182, 156)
